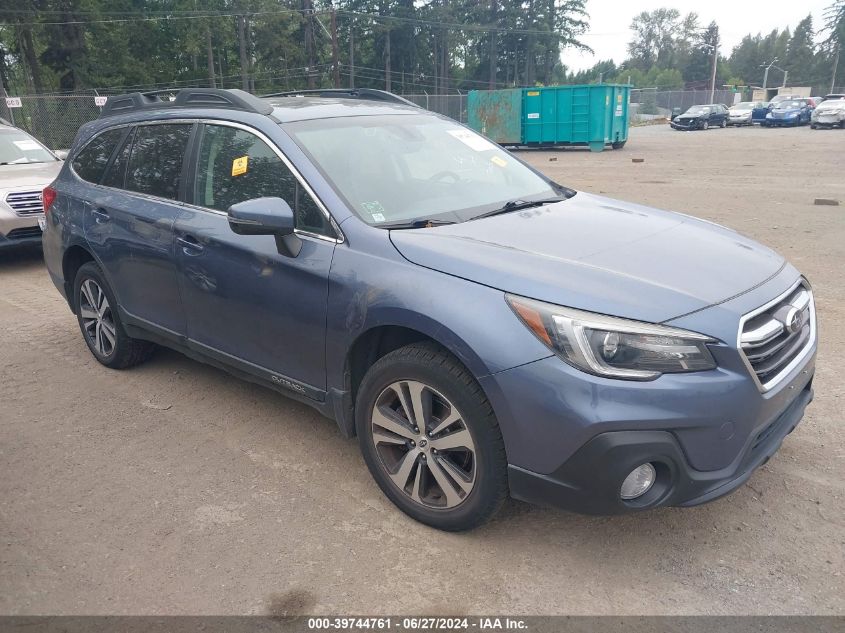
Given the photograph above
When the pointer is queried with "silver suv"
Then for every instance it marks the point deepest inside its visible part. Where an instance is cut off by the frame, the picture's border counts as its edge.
(26, 167)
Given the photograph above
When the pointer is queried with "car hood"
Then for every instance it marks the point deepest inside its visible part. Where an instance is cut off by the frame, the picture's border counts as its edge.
(598, 254)
(786, 110)
(33, 176)
(738, 112)
(831, 105)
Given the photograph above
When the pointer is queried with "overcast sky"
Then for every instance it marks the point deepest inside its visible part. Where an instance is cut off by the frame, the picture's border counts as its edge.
(610, 19)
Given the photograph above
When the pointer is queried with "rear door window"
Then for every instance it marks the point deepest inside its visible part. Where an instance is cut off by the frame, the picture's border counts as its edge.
(235, 165)
(155, 161)
(90, 163)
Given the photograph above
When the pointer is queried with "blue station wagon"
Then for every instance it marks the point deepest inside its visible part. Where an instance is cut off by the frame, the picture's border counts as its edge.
(481, 329)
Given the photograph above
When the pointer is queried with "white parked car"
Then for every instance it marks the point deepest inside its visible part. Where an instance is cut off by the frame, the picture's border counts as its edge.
(26, 167)
(830, 112)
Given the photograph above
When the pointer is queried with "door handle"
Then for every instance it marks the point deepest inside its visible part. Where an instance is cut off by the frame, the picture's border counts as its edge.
(190, 246)
(100, 215)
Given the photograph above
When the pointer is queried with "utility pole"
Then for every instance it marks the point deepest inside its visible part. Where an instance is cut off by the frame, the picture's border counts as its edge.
(242, 52)
(308, 10)
(835, 65)
(491, 82)
(335, 55)
(715, 63)
(387, 70)
(351, 54)
(766, 73)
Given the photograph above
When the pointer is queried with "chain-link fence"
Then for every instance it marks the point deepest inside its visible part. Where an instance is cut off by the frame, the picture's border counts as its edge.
(452, 106)
(55, 119)
(52, 119)
(646, 103)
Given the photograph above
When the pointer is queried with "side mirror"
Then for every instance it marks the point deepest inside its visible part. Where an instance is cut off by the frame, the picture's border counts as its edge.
(61, 154)
(266, 216)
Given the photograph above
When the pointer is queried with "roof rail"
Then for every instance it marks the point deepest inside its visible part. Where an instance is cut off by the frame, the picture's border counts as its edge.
(370, 94)
(186, 98)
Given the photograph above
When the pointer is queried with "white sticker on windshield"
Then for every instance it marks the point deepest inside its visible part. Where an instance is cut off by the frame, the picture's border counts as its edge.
(27, 145)
(375, 210)
(472, 140)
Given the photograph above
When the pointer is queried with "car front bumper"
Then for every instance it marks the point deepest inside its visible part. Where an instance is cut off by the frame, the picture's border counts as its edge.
(18, 230)
(830, 120)
(683, 125)
(772, 122)
(572, 438)
(590, 480)
(739, 120)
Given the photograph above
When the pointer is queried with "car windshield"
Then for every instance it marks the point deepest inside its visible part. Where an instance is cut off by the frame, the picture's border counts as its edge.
(698, 110)
(400, 168)
(745, 105)
(18, 148)
(792, 103)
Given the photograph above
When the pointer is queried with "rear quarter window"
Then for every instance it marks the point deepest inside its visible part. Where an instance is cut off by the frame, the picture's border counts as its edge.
(90, 163)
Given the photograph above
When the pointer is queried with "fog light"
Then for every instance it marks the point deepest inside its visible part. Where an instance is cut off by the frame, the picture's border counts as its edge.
(638, 482)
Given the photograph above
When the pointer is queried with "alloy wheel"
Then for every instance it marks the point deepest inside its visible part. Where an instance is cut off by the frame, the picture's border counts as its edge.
(424, 444)
(97, 319)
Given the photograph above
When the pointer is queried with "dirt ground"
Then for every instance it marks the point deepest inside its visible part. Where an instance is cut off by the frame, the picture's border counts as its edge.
(174, 488)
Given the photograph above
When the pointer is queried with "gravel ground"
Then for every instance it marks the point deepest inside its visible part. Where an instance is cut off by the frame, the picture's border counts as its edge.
(174, 488)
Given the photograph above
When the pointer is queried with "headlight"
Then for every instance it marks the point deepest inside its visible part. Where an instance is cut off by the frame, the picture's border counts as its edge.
(613, 347)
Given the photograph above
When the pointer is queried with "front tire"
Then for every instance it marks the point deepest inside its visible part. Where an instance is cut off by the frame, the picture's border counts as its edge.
(99, 321)
(705, 125)
(430, 439)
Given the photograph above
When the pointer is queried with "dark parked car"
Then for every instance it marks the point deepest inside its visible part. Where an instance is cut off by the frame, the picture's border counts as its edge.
(482, 329)
(702, 117)
(790, 112)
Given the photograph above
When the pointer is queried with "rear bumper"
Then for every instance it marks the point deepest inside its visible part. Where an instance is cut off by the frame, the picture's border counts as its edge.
(589, 481)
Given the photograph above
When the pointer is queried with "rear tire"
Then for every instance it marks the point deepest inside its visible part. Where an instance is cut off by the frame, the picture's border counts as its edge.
(99, 321)
(723, 124)
(430, 439)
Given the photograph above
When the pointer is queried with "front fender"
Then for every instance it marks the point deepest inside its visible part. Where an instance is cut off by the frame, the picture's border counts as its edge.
(377, 287)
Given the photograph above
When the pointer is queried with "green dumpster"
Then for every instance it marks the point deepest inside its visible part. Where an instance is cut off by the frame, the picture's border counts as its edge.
(591, 116)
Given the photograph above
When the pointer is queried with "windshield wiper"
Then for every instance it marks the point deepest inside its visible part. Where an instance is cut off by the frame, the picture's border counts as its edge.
(423, 223)
(517, 205)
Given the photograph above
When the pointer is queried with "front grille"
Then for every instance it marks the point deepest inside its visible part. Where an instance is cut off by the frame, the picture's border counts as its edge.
(777, 335)
(25, 203)
(24, 233)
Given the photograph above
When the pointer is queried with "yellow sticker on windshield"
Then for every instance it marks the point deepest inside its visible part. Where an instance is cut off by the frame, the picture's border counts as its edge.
(239, 165)
(501, 162)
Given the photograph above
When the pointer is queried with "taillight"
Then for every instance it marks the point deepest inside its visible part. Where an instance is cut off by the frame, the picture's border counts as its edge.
(47, 198)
